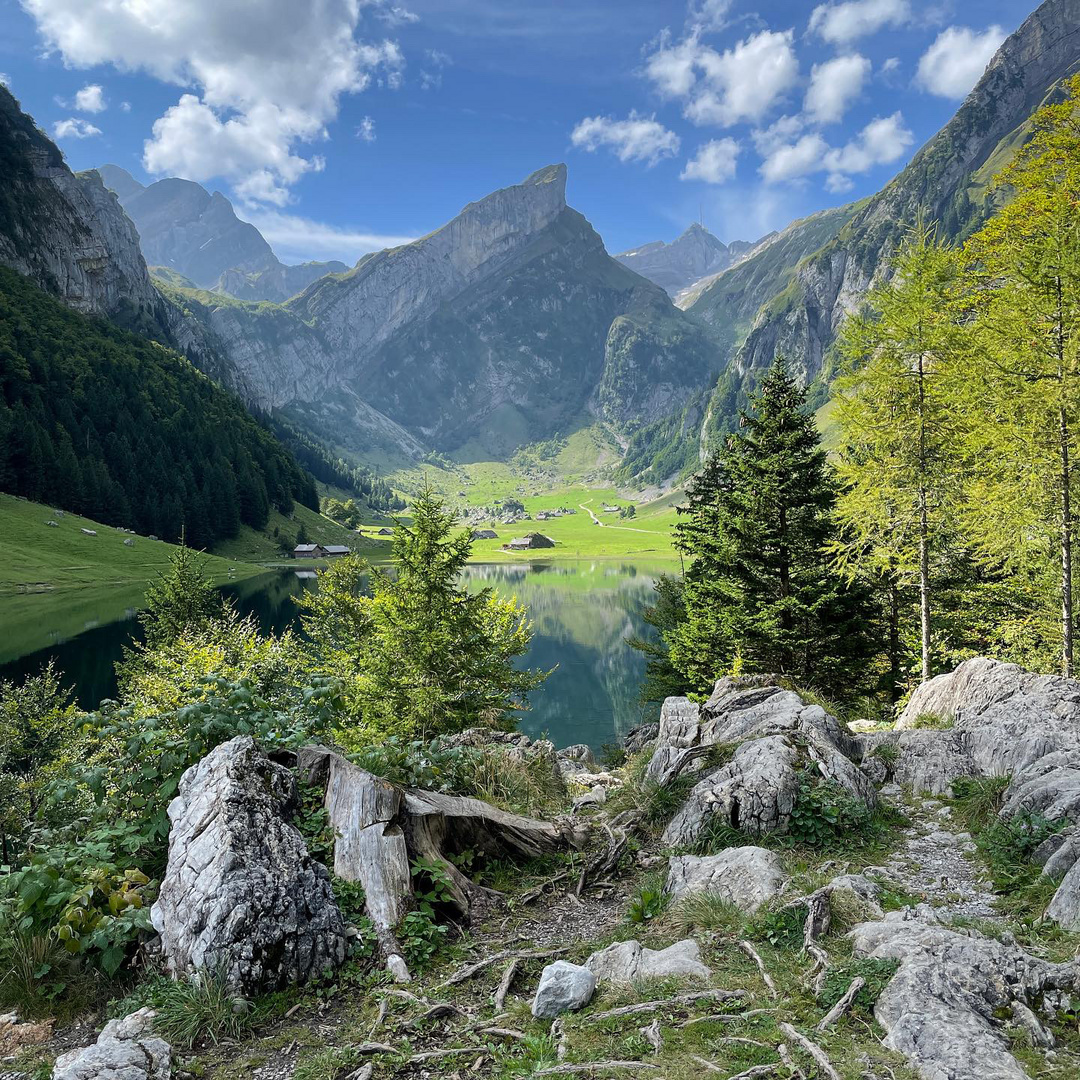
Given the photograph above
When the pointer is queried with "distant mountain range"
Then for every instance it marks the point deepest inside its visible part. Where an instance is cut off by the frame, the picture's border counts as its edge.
(693, 256)
(185, 229)
(511, 323)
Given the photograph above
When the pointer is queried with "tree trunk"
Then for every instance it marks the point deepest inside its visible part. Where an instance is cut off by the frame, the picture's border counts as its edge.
(895, 674)
(1066, 549)
(924, 583)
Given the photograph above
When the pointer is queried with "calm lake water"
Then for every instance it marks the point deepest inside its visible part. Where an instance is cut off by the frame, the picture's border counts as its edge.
(582, 613)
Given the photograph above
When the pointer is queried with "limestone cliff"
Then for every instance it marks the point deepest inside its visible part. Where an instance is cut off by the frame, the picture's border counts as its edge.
(66, 232)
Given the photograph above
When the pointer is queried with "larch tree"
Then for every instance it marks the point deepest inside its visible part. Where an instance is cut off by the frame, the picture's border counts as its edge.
(897, 456)
(1023, 386)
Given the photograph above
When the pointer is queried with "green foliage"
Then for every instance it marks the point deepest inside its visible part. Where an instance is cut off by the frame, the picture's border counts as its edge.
(759, 592)
(780, 926)
(826, 815)
(37, 974)
(665, 615)
(707, 911)
(875, 972)
(929, 721)
(181, 602)
(420, 934)
(647, 904)
(37, 727)
(977, 799)
(99, 421)
(200, 1008)
(1009, 844)
(421, 655)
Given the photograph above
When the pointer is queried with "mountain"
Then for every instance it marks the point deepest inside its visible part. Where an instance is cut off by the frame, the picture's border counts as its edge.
(505, 326)
(95, 418)
(186, 229)
(686, 260)
(946, 181)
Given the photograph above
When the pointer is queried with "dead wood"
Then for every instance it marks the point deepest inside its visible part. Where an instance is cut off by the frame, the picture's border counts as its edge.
(842, 1005)
(821, 1059)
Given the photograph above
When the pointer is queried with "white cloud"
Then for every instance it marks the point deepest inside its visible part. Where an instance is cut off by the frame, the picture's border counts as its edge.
(741, 83)
(269, 76)
(431, 75)
(91, 99)
(638, 138)
(957, 59)
(125, 106)
(366, 130)
(708, 15)
(777, 134)
(846, 22)
(390, 13)
(890, 65)
(714, 162)
(881, 142)
(834, 85)
(74, 127)
(5, 79)
(792, 160)
(299, 239)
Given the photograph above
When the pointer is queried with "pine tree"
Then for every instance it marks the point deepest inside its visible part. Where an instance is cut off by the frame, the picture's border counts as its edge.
(899, 445)
(179, 602)
(760, 592)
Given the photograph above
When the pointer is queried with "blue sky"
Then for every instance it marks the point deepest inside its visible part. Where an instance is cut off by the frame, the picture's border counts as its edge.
(339, 126)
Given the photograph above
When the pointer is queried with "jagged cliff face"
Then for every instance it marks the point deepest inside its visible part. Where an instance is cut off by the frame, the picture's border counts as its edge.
(197, 235)
(67, 233)
(832, 283)
(504, 326)
(685, 261)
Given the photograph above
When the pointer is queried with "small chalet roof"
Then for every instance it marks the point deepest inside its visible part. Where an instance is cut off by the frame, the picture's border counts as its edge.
(336, 549)
(305, 549)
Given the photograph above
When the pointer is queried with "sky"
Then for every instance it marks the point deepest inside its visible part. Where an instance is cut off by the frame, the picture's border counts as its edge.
(342, 126)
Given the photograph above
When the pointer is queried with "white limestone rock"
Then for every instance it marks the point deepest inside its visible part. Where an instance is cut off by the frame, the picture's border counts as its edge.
(745, 876)
(564, 987)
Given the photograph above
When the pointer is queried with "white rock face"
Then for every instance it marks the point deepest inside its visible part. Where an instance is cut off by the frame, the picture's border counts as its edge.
(695, 254)
(564, 987)
(626, 961)
(746, 876)
(74, 240)
(240, 890)
(126, 1049)
(941, 1008)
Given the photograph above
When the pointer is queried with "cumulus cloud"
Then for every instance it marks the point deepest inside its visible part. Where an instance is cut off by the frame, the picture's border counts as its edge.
(834, 85)
(882, 141)
(724, 88)
(788, 161)
(846, 22)
(714, 163)
(366, 130)
(708, 15)
(269, 75)
(74, 127)
(299, 239)
(5, 79)
(637, 138)
(956, 60)
(91, 99)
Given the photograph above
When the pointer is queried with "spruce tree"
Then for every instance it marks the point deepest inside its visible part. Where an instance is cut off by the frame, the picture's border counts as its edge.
(761, 593)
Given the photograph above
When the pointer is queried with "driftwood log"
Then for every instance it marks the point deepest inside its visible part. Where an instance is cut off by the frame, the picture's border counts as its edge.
(381, 829)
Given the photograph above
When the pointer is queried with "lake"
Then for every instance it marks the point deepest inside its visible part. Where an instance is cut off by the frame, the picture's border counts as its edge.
(582, 613)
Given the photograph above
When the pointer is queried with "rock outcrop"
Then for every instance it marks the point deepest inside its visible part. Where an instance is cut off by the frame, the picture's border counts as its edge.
(241, 894)
(126, 1049)
(66, 232)
(779, 740)
(945, 1007)
(693, 255)
(626, 961)
(744, 876)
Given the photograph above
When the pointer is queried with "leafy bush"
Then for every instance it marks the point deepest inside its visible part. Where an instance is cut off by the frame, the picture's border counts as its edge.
(781, 927)
(421, 934)
(1008, 847)
(826, 814)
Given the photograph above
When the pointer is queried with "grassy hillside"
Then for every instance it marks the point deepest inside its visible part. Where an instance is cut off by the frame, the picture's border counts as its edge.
(37, 557)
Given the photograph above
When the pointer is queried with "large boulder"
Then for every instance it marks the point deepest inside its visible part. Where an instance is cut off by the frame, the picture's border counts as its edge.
(745, 876)
(126, 1049)
(564, 987)
(944, 1008)
(241, 894)
(627, 961)
(1003, 719)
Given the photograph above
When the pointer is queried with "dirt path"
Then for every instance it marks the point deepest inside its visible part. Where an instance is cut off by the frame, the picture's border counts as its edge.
(605, 525)
(937, 863)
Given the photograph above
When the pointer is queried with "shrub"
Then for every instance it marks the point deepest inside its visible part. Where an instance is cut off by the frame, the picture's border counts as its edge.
(826, 814)
(978, 799)
(781, 927)
(1008, 847)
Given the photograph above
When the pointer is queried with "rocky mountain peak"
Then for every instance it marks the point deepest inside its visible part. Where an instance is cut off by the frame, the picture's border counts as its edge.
(696, 253)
